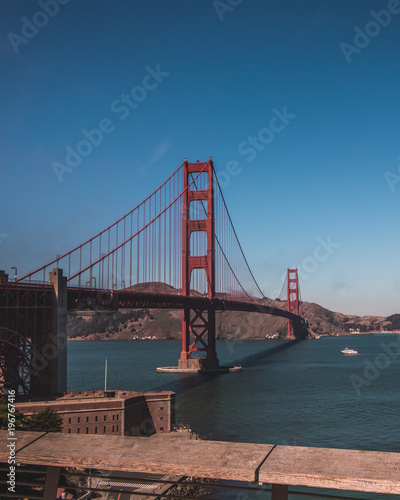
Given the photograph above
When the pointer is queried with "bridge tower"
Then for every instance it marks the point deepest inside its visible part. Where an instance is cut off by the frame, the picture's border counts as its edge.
(293, 300)
(198, 325)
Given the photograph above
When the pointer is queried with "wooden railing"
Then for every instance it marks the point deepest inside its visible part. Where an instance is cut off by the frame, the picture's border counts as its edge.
(174, 455)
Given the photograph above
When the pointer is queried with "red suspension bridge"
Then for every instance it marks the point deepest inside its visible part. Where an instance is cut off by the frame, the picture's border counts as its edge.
(176, 249)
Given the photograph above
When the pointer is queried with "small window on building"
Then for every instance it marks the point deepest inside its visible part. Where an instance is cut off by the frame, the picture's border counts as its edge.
(87, 419)
(113, 417)
(69, 420)
(95, 430)
(105, 418)
(78, 430)
(113, 429)
(104, 429)
(117, 417)
(161, 407)
(69, 431)
(161, 428)
(161, 418)
(87, 430)
(95, 418)
(79, 420)
(117, 428)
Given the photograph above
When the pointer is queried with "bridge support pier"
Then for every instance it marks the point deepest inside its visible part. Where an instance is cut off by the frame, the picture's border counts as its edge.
(33, 336)
(201, 324)
(60, 328)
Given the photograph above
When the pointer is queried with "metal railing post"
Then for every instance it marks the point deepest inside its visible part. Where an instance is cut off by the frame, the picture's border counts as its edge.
(51, 484)
(279, 492)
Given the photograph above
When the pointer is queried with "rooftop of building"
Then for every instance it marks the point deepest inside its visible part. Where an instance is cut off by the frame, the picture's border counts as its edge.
(97, 396)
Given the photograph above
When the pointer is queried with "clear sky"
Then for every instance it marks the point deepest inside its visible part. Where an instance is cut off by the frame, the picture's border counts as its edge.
(296, 102)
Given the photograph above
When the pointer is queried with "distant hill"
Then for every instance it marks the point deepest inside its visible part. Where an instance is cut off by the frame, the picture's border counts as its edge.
(322, 321)
(167, 323)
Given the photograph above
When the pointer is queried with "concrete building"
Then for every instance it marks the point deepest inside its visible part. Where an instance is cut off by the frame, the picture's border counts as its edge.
(124, 413)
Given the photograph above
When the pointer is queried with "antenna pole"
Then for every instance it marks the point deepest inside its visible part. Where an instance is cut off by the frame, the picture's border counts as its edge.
(105, 377)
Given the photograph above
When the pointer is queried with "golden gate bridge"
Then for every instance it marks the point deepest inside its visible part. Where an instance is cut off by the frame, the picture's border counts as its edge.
(177, 249)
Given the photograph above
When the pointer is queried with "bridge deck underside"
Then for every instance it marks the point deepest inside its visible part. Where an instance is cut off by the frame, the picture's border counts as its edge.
(83, 298)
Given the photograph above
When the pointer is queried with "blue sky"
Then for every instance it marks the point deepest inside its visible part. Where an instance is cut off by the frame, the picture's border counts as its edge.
(313, 195)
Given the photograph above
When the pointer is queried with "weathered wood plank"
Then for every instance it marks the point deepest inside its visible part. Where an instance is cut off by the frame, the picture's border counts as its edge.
(372, 471)
(215, 459)
(237, 461)
(366, 471)
(23, 439)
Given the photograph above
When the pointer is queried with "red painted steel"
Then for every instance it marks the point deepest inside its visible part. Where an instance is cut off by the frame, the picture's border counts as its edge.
(198, 325)
(292, 298)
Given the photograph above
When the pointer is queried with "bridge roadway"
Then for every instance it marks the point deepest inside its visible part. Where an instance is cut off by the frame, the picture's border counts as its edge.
(91, 298)
(94, 298)
(281, 466)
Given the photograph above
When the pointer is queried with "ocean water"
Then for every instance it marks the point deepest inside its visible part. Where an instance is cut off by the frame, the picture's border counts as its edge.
(307, 394)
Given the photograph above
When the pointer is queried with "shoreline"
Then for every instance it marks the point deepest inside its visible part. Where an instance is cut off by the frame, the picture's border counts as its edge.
(82, 339)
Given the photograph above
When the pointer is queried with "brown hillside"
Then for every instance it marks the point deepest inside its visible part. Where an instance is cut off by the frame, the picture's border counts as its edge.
(166, 324)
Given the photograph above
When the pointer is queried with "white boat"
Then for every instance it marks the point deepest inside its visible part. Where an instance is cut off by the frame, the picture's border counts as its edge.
(349, 352)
